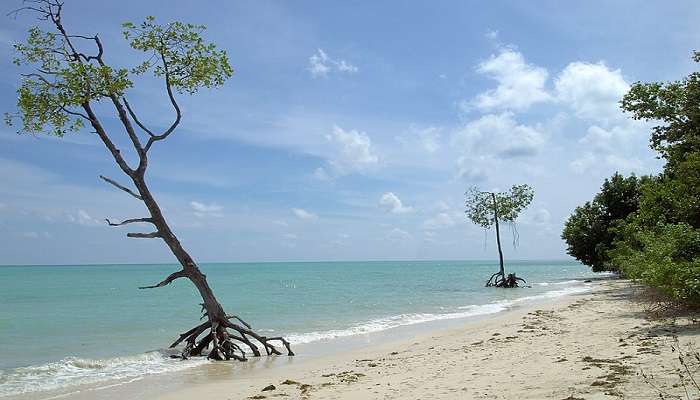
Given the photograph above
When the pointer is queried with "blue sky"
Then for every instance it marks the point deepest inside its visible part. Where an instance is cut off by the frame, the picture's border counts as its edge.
(350, 130)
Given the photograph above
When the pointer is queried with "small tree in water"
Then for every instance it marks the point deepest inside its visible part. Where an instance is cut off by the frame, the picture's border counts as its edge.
(60, 93)
(487, 209)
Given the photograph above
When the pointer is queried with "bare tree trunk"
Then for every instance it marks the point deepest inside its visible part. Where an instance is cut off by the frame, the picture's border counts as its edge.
(502, 270)
(499, 279)
(212, 307)
(225, 335)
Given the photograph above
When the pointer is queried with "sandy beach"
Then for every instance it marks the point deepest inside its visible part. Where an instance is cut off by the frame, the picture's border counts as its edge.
(589, 346)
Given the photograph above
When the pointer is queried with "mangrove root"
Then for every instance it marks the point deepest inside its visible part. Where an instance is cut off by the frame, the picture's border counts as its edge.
(499, 280)
(222, 339)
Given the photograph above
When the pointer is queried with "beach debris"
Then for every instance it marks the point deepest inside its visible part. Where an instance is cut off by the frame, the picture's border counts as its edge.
(290, 382)
(268, 388)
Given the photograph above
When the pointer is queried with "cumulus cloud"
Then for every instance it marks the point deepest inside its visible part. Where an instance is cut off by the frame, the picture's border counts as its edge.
(206, 210)
(391, 203)
(303, 214)
(592, 91)
(353, 152)
(520, 84)
(501, 135)
(320, 65)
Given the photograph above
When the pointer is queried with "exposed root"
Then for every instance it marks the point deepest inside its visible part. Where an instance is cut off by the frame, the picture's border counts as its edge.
(222, 339)
(499, 280)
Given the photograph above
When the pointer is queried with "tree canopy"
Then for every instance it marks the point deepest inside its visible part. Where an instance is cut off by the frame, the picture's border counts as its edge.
(509, 205)
(63, 79)
(588, 232)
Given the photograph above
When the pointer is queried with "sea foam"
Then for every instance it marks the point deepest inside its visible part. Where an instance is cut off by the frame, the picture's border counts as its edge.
(73, 371)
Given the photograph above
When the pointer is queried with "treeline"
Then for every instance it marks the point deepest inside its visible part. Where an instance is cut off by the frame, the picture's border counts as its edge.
(648, 228)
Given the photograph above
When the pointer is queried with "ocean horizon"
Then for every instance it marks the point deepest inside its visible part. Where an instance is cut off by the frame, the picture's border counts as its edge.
(90, 324)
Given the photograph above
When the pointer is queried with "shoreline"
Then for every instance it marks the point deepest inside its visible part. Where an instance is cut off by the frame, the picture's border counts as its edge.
(600, 339)
(590, 345)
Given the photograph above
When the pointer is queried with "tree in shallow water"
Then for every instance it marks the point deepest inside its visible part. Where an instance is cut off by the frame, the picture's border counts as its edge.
(59, 94)
(487, 209)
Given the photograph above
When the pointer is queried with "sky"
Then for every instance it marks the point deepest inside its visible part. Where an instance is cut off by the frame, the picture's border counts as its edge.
(350, 130)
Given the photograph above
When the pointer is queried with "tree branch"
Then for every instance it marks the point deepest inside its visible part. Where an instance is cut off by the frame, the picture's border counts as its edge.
(135, 118)
(139, 235)
(119, 186)
(167, 281)
(129, 221)
(178, 112)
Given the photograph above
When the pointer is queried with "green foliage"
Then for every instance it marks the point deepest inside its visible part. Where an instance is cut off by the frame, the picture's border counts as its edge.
(62, 83)
(588, 232)
(178, 53)
(480, 205)
(659, 243)
(63, 80)
(674, 105)
(666, 257)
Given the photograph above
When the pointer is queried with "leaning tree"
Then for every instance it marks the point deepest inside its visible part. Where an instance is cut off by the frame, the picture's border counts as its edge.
(60, 93)
(486, 209)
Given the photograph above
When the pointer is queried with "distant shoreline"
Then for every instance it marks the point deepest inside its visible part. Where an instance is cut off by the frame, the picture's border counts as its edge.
(485, 261)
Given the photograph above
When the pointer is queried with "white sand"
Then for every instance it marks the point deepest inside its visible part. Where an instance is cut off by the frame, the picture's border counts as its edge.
(590, 346)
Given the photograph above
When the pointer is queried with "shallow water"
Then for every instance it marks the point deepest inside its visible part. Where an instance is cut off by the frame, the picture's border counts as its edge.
(90, 323)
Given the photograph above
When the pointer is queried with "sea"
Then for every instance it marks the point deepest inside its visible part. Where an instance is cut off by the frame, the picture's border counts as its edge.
(72, 326)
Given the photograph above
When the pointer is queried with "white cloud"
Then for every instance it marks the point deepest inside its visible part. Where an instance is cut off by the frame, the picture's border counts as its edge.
(344, 66)
(303, 214)
(398, 235)
(608, 162)
(320, 65)
(471, 169)
(583, 162)
(353, 151)
(81, 217)
(391, 203)
(520, 84)
(491, 34)
(592, 91)
(501, 135)
(624, 164)
(291, 236)
(206, 210)
(439, 221)
(426, 139)
(321, 174)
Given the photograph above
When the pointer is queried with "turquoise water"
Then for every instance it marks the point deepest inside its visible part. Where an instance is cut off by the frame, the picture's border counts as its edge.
(63, 325)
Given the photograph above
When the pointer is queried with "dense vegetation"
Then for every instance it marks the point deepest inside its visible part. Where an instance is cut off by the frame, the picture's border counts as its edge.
(589, 231)
(649, 228)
